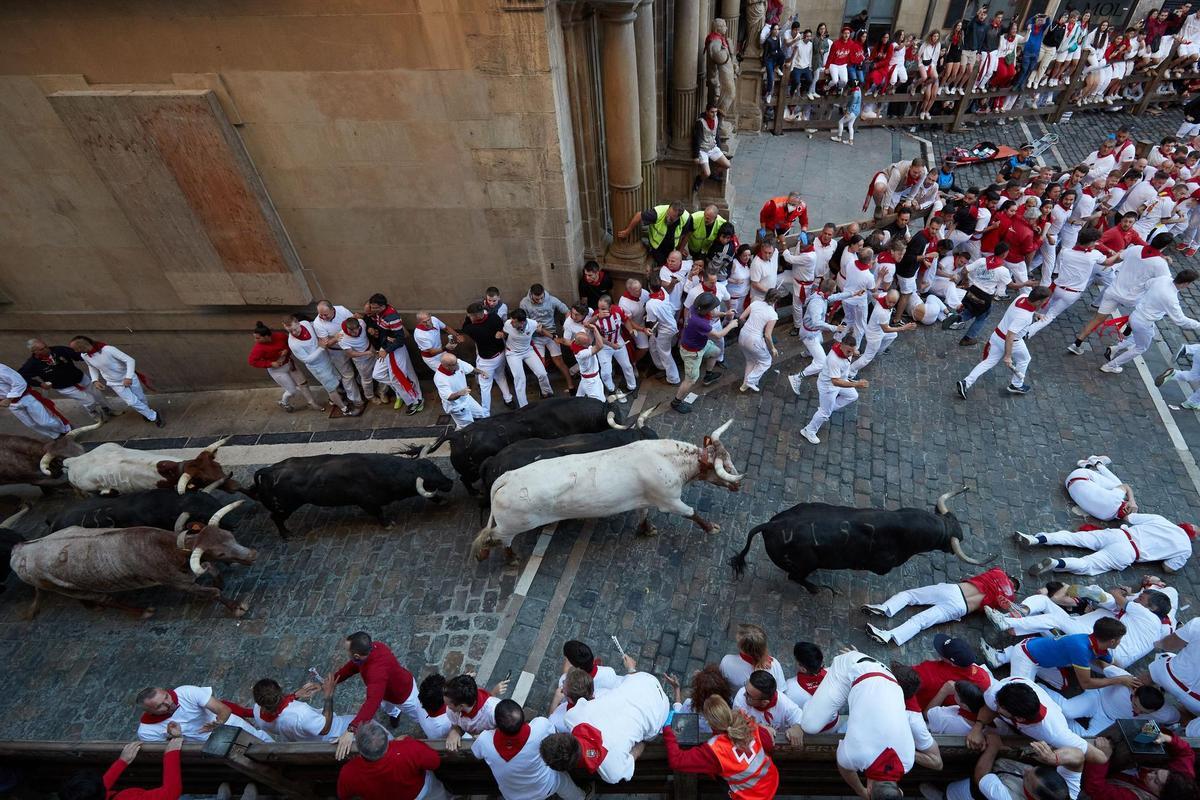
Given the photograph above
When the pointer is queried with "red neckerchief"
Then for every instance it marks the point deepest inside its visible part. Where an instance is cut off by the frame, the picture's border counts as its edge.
(154, 719)
(658, 294)
(1063, 207)
(837, 348)
(712, 126)
(442, 369)
(1090, 191)
(271, 716)
(599, 276)
(631, 297)
(480, 699)
(1081, 249)
(1150, 252)
(809, 683)
(592, 749)
(424, 326)
(1038, 717)
(766, 712)
(508, 746)
(96, 348)
(969, 716)
(1024, 304)
(49, 359)
(995, 262)
(861, 265)
(709, 287)
(303, 335)
(595, 667)
(748, 660)
(1095, 647)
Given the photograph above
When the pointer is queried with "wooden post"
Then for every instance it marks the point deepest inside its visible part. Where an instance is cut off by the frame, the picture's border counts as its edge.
(780, 105)
(1064, 99)
(685, 786)
(960, 111)
(1149, 89)
(262, 774)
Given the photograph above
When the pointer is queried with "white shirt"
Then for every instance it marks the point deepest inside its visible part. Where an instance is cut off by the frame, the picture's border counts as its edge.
(784, 715)
(633, 712)
(983, 218)
(431, 339)
(803, 264)
(1116, 702)
(526, 776)
(192, 715)
(1101, 165)
(484, 719)
(835, 367)
(518, 341)
(449, 384)
(1052, 729)
(802, 54)
(300, 722)
(571, 327)
(822, 253)
(1075, 268)
(1136, 270)
(880, 316)
(1162, 208)
(605, 679)
(737, 671)
(113, 366)
(1159, 539)
(11, 382)
(635, 310)
(756, 322)
(332, 327)
(815, 309)
(858, 278)
(679, 276)
(1185, 665)
(948, 720)
(359, 344)
(1017, 317)
(660, 312)
(878, 720)
(738, 283)
(306, 350)
(765, 273)
(992, 281)
(721, 294)
(1138, 194)
(1143, 629)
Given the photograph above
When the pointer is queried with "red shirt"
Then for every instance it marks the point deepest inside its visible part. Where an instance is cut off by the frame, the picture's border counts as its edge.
(170, 790)
(701, 759)
(774, 215)
(399, 775)
(1002, 223)
(845, 52)
(1021, 242)
(1098, 786)
(935, 674)
(997, 589)
(384, 677)
(265, 355)
(1114, 240)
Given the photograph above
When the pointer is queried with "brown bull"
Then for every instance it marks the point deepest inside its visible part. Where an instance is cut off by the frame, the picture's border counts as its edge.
(21, 457)
(90, 564)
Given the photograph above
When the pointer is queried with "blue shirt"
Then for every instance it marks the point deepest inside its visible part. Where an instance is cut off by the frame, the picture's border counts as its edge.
(1075, 650)
(854, 107)
(1034, 43)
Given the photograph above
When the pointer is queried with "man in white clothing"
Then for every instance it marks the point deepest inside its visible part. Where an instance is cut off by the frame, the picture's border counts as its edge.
(1177, 671)
(328, 327)
(1077, 268)
(450, 379)
(762, 700)
(1139, 265)
(1007, 344)
(357, 346)
(835, 388)
(519, 352)
(859, 276)
(31, 409)
(1098, 492)
(880, 332)
(612, 322)
(192, 708)
(1160, 300)
(1141, 537)
(1027, 707)
(305, 348)
(813, 327)
(289, 718)
(1104, 706)
(427, 336)
(608, 733)
(661, 317)
(586, 348)
(110, 366)
(469, 708)
(513, 752)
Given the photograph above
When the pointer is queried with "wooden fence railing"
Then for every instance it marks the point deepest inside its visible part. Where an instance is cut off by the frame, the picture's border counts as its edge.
(953, 111)
(309, 771)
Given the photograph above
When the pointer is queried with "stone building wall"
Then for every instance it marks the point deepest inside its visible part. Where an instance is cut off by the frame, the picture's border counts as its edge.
(413, 147)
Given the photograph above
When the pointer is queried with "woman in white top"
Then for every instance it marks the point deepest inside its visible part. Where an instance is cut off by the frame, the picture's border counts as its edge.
(927, 62)
(738, 282)
(1097, 73)
(757, 323)
(752, 655)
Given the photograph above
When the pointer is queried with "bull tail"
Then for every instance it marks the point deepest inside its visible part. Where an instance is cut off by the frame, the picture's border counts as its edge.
(738, 562)
(415, 451)
(485, 535)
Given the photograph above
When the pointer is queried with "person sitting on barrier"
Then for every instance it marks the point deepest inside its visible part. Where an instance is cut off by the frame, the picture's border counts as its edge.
(390, 769)
(90, 785)
(469, 708)
(739, 753)
(1003, 778)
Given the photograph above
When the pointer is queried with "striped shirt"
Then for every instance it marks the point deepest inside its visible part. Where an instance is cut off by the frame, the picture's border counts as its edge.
(612, 327)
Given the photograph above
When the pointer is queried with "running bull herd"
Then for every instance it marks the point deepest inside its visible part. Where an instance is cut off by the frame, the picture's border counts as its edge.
(149, 519)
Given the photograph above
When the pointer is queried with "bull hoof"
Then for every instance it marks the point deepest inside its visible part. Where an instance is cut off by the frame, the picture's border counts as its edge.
(513, 561)
(713, 528)
(482, 555)
(647, 530)
(241, 610)
(147, 612)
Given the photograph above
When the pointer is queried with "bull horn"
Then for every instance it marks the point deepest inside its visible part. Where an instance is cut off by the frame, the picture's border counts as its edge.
(956, 548)
(719, 468)
(612, 423)
(941, 501)
(212, 487)
(8, 523)
(184, 480)
(716, 435)
(645, 415)
(422, 491)
(181, 521)
(424, 453)
(44, 464)
(194, 561)
(212, 448)
(732, 470)
(215, 521)
(76, 431)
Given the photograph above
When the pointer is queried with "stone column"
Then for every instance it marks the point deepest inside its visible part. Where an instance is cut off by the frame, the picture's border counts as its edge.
(730, 11)
(622, 126)
(683, 74)
(643, 30)
(704, 17)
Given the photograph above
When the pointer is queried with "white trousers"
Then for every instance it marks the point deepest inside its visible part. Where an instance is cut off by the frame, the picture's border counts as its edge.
(35, 416)
(85, 393)
(855, 320)
(1048, 255)
(1163, 680)
(875, 346)
(607, 356)
(1068, 236)
(464, 411)
(1060, 301)
(661, 355)
(134, 397)
(1112, 550)
(491, 370)
(1190, 378)
(833, 399)
(1088, 704)
(382, 373)
(839, 75)
(365, 367)
(517, 364)
(433, 789)
(590, 387)
(994, 354)
(344, 369)
(758, 358)
(945, 604)
(1133, 346)
(292, 383)
(1097, 494)
(815, 346)
(1044, 616)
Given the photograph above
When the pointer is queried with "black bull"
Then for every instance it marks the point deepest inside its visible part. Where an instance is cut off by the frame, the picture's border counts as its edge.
(156, 508)
(549, 419)
(812, 536)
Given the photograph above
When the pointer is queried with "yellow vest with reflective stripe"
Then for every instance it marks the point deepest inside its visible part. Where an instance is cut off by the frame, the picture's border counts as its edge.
(701, 239)
(658, 231)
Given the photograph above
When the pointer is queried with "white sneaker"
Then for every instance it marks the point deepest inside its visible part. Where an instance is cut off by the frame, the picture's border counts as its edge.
(1105, 460)
(1001, 621)
(812, 437)
(1026, 539)
(795, 381)
(1109, 368)
(870, 608)
(881, 636)
(835, 138)
(748, 388)
(990, 654)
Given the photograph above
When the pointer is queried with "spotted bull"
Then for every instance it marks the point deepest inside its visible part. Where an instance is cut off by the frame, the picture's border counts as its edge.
(812, 536)
(111, 468)
(638, 476)
(22, 457)
(91, 564)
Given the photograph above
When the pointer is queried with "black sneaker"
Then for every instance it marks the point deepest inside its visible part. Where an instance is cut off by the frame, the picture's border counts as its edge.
(1108, 354)
(681, 407)
(158, 420)
(1014, 389)
(416, 408)
(710, 378)
(962, 389)
(967, 341)
(510, 403)
(794, 332)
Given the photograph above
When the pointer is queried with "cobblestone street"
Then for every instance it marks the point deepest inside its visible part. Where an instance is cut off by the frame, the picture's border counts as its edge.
(72, 672)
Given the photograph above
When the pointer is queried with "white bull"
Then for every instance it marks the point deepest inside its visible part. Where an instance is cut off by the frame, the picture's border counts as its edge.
(111, 468)
(639, 476)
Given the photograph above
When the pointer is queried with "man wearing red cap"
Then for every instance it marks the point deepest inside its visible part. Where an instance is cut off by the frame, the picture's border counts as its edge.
(1142, 537)
(882, 741)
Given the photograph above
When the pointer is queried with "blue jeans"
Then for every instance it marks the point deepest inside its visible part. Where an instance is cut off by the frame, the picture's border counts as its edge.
(799, 77)
(1028, 65)
(977, 323)
(856, 73)
(769, 81)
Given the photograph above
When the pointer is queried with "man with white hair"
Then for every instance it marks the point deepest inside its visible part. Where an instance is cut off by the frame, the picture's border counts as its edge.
(586, 346)
(31, 409)
(327, 325)
(450, 378)
(390, 768)
(57, 368)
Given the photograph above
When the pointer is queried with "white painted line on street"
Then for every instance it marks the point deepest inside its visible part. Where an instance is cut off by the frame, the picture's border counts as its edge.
(524, 683)
(1164, 413)
(240, 455)
(534, 562)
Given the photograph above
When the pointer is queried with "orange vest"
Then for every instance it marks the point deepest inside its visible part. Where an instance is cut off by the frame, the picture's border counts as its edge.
(751, 774)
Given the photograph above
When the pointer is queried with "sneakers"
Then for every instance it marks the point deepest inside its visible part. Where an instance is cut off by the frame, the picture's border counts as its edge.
(991, 655)
(1110, 369)
(681, 407)
(1092, 593)
(1014, 389)
(873, 609)
(949, 322)
(835, 138)
(1043, 566)
(878, 635)
(1191, 251)
(962, 389)
(1190, 406)
(1028, 539)
(285, 407)
(1164, 376)
(1105, 460)
(795, 381)
(1178, 355)
(416, 408)
(999, 620)
(710, 378)
(812, 437)
(967, 341)
(748, 388)
(1075, 348)
(510, 403)
(396, 405)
